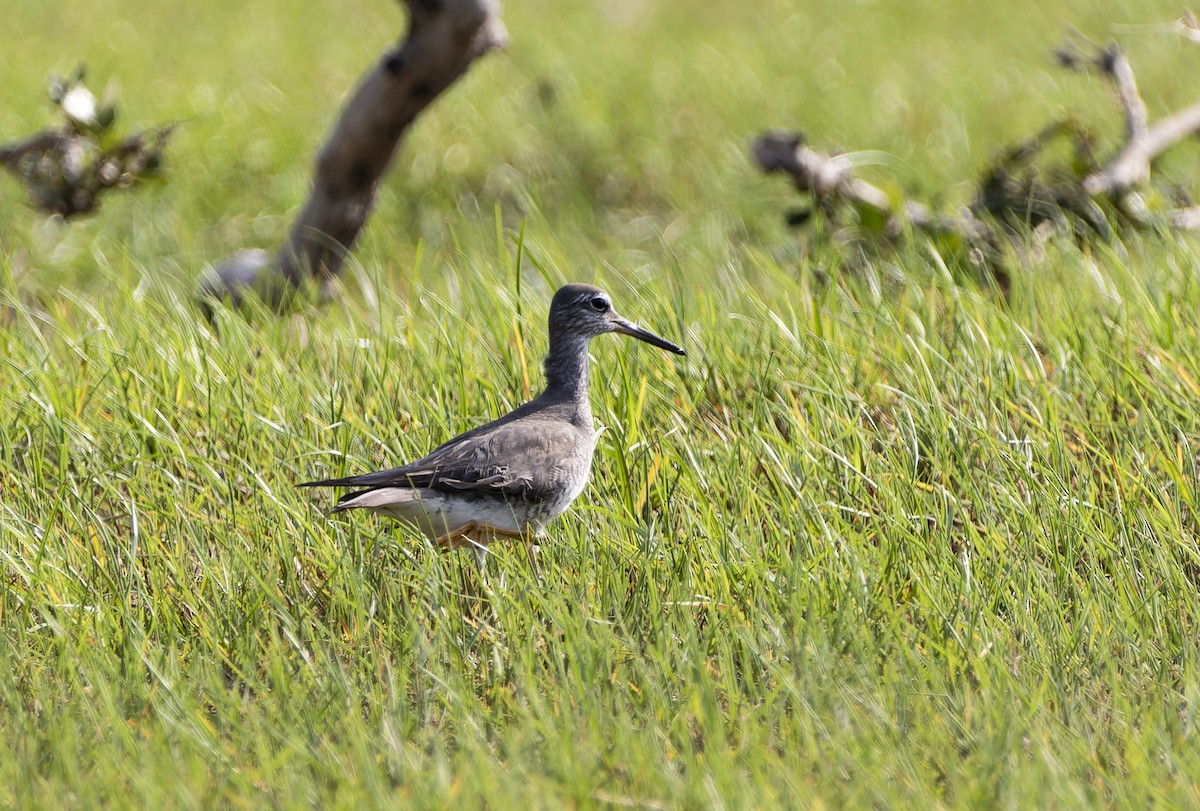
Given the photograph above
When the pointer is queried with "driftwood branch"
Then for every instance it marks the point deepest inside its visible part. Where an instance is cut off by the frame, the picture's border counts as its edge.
(1114, 64)
(830, 177)
(444, 38)
(1188, 26)
(1144, 142)
(1023, 195)
(1131, 167)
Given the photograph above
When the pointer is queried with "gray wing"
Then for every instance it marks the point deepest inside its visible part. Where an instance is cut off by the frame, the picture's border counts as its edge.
(516, 460)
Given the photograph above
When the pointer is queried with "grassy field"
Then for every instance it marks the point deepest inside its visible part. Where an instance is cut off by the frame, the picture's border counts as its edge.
(882, 539)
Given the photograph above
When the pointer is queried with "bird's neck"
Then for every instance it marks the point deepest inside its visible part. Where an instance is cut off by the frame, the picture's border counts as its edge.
(567, 369)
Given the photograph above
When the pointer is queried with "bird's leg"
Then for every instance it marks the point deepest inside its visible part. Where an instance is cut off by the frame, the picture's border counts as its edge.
(535, 556)
(474, 534)
(477, 536)
(458, 537)
(535, 553)
(495, 532)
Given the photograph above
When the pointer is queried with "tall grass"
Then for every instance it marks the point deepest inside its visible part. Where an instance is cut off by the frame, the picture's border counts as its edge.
(883, 538)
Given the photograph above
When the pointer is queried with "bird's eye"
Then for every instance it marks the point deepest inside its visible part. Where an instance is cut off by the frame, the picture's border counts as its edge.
(599, 305)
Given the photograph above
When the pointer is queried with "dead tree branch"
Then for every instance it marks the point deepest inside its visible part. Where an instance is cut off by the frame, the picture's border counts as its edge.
(1131, 167)
(831, 177)
(1114, 64)
(444, 38)
(1188, 26)
(65, 172)
(1025, 194)
(1143, 142)
(1185, 219)
(65, 169)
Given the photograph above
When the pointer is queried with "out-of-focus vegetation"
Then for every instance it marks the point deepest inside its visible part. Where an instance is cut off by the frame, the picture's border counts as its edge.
(65, 168)
(882, 538)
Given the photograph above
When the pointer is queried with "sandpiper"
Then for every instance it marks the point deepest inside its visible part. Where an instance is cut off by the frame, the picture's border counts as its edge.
(510, 477)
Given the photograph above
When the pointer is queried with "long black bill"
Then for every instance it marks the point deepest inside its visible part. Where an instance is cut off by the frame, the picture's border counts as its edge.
(634, 331)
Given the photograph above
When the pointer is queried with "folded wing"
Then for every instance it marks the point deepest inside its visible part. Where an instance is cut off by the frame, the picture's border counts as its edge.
(533, 467)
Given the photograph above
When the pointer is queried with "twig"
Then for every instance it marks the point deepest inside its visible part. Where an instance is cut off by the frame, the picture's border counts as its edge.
(1144, 142)
(1185, 219)
(44, 141)
(1188, 26)
(1131, 167)
(1020, 196)
(1113, 62)
(830, 177)
(1117, 66)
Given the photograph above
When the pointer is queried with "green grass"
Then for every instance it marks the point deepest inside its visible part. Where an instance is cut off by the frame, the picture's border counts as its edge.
(882, 539)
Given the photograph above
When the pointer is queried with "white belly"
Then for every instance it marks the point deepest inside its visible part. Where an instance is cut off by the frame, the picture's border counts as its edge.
(436, 514)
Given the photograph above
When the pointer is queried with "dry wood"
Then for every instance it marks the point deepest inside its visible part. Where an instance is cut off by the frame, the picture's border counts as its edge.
(1188, 26)
(1144, 142)
(1024, 199)
(444, 38)
(1113, 62)
(66, 171)
(1131, 167)
(45, 141)
(1116, 65)
(1185, 219)
(828, 177)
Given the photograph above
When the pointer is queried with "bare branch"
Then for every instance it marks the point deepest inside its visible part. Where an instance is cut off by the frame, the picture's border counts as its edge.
(832, 177)
(66, 171)
(1188, 26)
(1131, 167)
(1185, 219)
(1116, 65)
(444, 38)
(1111, 60)
(45, 141)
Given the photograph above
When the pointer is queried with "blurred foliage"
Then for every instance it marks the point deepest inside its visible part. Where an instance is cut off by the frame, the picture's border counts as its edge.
(883, 540)
(65, 169)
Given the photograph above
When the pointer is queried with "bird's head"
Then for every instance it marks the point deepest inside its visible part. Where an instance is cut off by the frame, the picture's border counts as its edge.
(583, 310)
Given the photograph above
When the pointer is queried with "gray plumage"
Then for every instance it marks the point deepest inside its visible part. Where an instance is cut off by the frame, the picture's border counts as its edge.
(511, 476)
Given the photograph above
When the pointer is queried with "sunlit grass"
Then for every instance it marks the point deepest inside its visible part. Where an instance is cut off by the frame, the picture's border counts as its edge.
(883, 538)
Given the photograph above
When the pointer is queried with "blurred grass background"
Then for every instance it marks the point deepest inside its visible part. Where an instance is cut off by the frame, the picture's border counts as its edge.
(614, 129)
(882, 538)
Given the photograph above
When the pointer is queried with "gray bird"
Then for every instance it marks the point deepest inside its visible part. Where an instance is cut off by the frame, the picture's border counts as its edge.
(512, 476)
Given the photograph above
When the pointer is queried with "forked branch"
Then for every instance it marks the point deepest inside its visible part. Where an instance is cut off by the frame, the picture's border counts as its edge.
(1023, 193)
